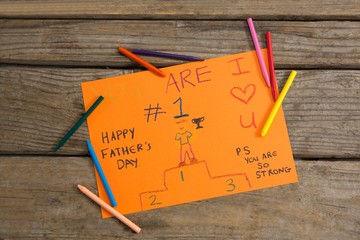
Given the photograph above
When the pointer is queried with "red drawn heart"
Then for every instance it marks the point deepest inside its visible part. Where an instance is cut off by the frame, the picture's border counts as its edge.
(245, 94)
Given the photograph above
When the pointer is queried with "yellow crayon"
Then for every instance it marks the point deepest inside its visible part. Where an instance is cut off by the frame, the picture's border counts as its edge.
(278, 103)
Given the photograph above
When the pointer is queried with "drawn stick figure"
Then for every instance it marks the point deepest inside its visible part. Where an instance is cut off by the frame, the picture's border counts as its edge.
(183, 137)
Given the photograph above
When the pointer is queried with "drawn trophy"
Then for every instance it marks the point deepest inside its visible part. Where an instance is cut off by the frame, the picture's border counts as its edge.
(198, 121)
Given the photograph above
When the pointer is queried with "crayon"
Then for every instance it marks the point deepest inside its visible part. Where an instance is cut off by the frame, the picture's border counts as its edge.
(273, 83)
(109, 209)
(78, 123)
(141, 61)
(258, 51)
(165, 55)
(101, 174)
(278, 103)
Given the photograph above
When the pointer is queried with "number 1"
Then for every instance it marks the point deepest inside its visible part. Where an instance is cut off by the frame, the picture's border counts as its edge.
(181, 113)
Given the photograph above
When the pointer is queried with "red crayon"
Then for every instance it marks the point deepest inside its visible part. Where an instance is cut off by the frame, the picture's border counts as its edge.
(273, 83)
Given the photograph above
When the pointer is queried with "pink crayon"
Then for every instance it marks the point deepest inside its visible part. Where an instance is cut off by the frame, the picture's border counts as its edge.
(258, 51)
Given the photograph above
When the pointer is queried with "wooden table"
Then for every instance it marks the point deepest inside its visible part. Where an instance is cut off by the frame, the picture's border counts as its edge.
(49, 47)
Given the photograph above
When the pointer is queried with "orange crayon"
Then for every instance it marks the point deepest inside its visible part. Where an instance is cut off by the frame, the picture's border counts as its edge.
(141, 61)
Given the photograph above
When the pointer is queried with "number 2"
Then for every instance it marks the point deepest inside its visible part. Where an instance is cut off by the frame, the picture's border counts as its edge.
(153, 197)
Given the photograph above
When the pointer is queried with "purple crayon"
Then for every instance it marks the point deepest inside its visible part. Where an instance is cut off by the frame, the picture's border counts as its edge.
(165, 55)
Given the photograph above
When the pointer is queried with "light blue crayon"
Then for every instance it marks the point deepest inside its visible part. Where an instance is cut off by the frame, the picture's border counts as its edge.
(101, 174)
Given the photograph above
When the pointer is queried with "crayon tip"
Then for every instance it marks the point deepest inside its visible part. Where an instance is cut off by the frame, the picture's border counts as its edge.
(263, 133)
(56, 148)
(161, 73)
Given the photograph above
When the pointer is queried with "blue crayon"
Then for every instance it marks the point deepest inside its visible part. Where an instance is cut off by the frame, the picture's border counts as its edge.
(101, 174)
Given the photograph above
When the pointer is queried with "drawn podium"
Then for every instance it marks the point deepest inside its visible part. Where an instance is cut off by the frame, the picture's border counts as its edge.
(193, 180)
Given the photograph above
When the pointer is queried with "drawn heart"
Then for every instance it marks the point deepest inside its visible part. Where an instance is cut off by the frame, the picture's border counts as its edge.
(245, 94)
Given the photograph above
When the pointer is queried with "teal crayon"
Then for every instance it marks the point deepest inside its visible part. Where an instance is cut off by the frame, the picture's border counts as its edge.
(78, 124)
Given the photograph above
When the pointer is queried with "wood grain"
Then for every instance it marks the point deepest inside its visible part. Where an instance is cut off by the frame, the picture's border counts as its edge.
(186, 9)
(300, 45)
(49, 47)
(39, 199)
(39, 105)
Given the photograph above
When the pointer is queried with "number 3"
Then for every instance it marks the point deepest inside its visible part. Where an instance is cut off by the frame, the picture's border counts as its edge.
(230, 182)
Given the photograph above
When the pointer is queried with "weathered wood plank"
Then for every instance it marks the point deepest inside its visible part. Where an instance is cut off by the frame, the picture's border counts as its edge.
(94, 42)
(39, 105)
(39, 199)
(186, 9)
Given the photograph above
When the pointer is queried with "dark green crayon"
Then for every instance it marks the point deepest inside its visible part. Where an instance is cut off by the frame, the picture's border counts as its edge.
(78, 123)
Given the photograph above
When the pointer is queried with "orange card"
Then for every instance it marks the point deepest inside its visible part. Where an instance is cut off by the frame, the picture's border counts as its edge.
(192, 135)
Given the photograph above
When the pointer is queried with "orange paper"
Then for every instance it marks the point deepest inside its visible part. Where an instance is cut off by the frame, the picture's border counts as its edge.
(192, 135)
